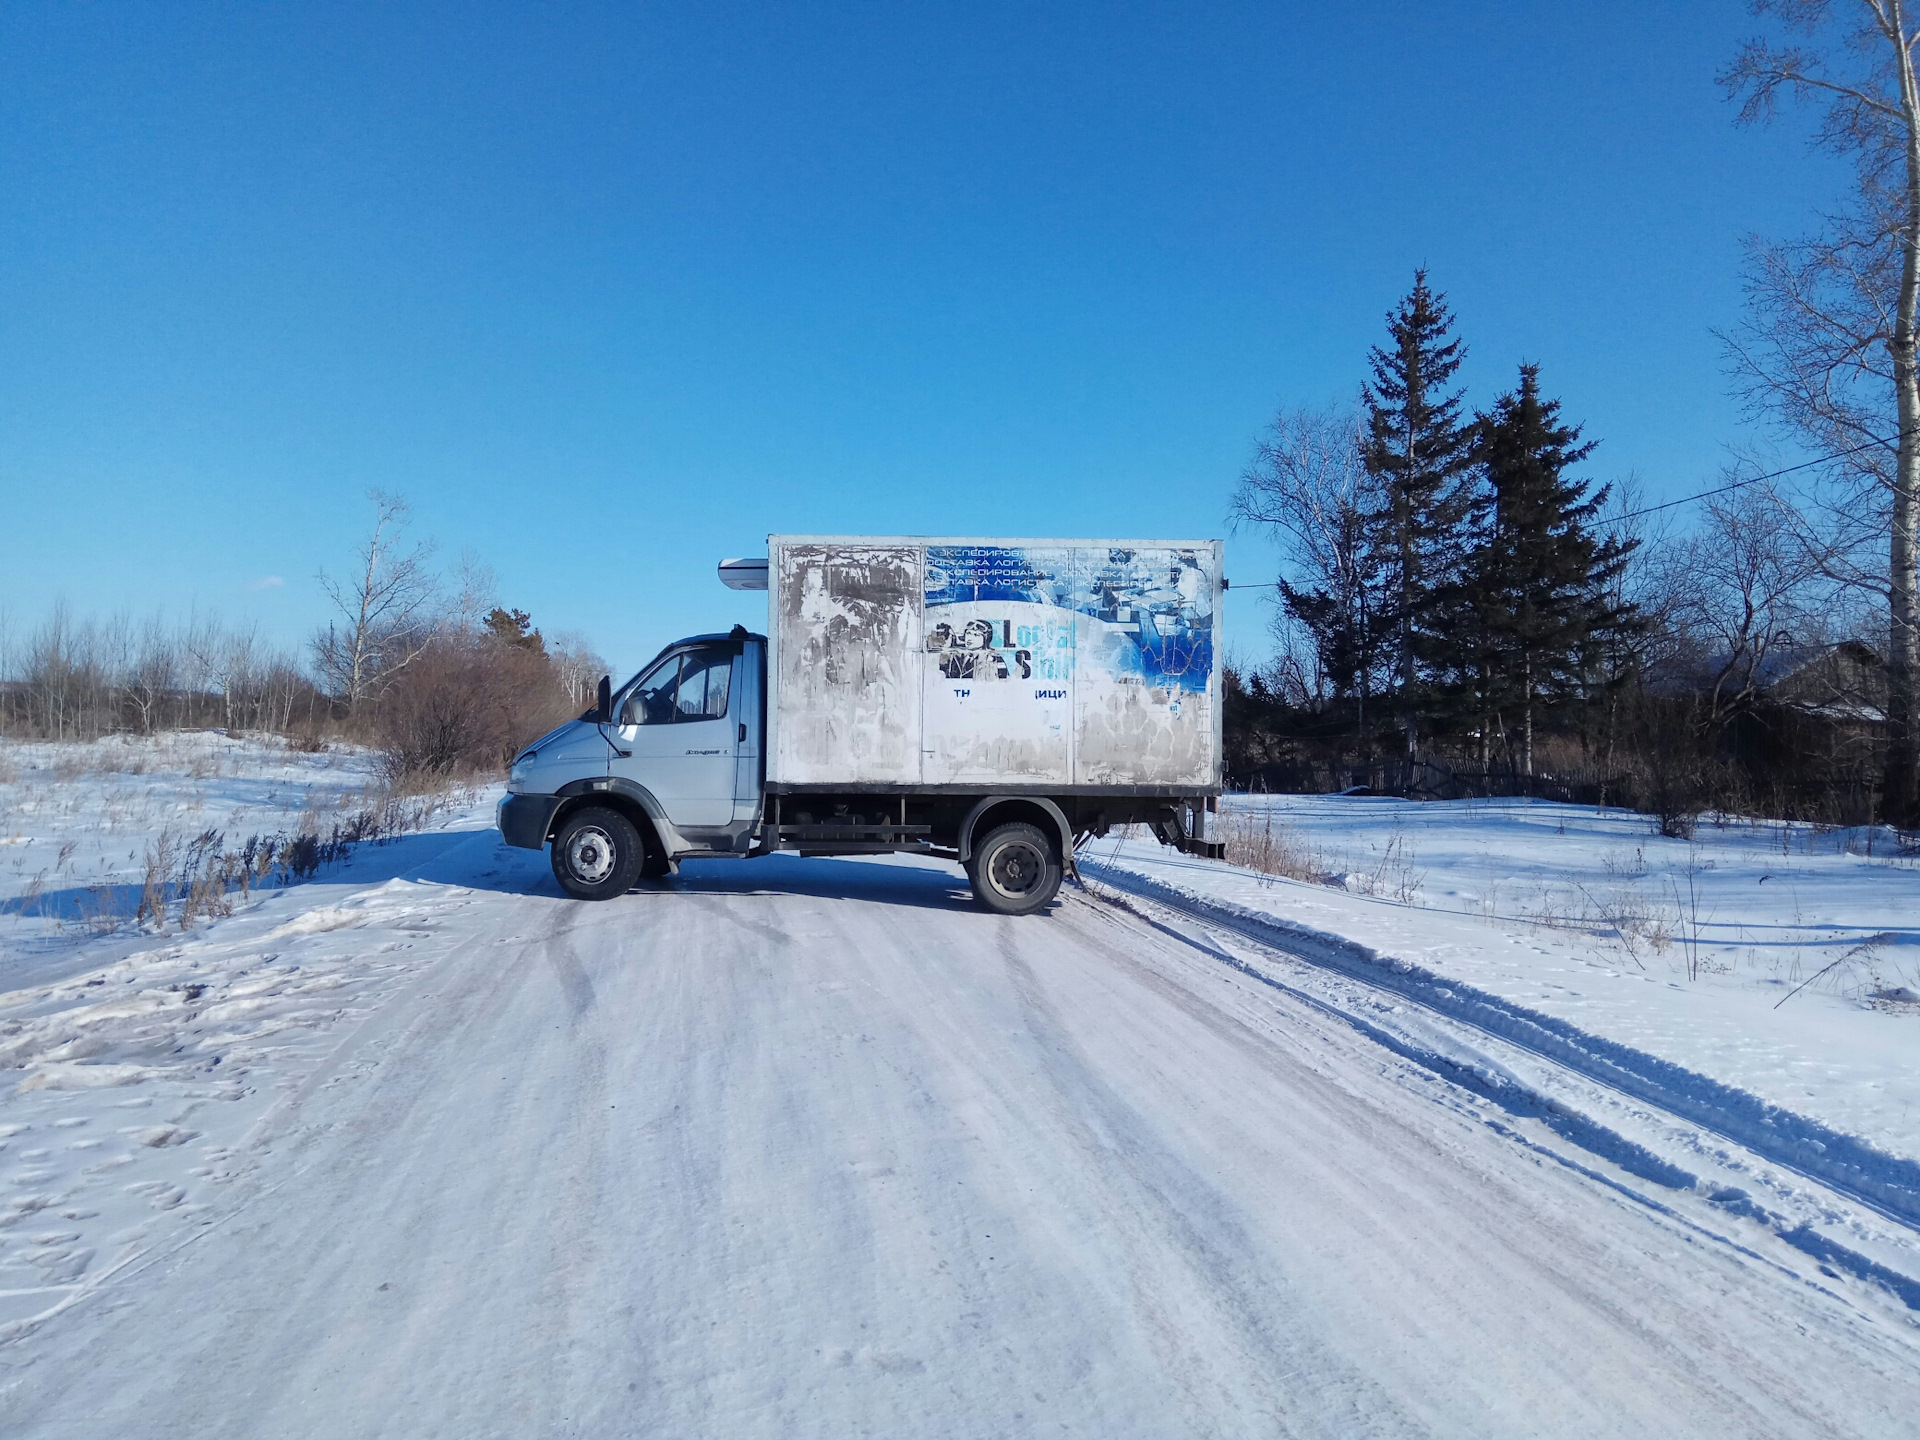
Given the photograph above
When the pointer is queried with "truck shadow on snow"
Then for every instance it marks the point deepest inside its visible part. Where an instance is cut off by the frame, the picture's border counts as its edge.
(883, 880)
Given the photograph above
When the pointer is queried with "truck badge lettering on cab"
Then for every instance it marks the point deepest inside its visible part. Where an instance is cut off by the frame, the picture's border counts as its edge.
(1049, 694)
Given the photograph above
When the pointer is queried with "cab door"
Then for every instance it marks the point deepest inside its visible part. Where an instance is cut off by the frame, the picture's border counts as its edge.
(749, 718)
(677, 725)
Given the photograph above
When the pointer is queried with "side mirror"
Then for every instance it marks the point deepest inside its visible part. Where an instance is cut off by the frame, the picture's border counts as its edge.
(603, 702)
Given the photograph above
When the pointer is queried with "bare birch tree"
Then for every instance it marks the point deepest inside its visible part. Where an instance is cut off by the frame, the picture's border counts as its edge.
(155, 674)
(475, 591)
(577, 663)
(1748, 594)
(1828, 348)
(1309, 484)
(386, 605)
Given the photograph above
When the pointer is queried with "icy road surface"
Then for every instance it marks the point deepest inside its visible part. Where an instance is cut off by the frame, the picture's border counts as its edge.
(819, 1148)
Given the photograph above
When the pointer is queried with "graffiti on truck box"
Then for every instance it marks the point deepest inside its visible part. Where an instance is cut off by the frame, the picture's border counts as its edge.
(948, 662)
(1071, 664)
(1157, 604)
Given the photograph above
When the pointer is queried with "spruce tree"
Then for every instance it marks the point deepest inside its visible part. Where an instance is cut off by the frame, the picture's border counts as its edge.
(1538, 581)
(1419, 453)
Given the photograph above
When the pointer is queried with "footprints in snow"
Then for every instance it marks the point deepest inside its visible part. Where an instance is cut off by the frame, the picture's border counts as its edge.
(887, 1362)
(159, 1137)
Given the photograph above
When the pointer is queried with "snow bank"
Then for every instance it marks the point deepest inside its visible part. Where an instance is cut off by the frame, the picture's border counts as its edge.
(1703, 1007)
(136, 1067)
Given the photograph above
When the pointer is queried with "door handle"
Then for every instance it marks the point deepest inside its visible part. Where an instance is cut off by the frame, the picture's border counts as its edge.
(743, 732)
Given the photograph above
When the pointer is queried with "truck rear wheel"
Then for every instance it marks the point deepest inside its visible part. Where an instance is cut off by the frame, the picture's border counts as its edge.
(597, 854)
(1014, 870)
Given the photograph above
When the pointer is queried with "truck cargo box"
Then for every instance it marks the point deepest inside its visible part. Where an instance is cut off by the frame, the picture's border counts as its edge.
(1050, 665)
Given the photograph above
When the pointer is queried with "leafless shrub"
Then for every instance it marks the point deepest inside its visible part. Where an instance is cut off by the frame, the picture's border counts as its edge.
(201, 880)
(1257, 840)
(158, 868)
(1676, 822)
(467, 703)
(202, 876)
(1858, 968)
(1686, 905)
(1393, 876)
(102, 908)
(1622, 911)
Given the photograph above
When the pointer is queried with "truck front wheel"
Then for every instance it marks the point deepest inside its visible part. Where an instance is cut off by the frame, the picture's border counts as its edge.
(1014, 870)
(597, 854)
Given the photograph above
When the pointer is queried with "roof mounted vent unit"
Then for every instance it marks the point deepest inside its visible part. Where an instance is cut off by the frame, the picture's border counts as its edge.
(744, 574)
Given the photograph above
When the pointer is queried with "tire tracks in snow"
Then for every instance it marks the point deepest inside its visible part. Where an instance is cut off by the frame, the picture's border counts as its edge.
(1111, 1136)
(1263, 1037)
(1884, 1188)
(1888, 1184)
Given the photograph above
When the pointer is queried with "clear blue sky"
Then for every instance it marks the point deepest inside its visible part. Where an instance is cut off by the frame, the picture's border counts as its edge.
(613, 291)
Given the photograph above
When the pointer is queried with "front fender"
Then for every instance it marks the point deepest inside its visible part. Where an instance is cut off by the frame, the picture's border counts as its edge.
(672, 842)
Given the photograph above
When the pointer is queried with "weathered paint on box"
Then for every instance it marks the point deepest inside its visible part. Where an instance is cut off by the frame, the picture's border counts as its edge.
(846, 630)
(1031, 662)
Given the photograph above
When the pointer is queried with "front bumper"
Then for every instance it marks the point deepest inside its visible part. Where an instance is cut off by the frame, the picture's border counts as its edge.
(524, 819)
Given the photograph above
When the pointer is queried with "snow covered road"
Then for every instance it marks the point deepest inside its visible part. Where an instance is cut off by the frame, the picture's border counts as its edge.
(820, 1148)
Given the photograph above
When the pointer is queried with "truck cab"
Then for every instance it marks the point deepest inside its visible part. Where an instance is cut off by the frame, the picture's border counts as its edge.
(677, 750)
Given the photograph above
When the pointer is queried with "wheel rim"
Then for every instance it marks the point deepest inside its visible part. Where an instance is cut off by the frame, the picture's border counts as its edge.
(1016, 870)
(590, 855)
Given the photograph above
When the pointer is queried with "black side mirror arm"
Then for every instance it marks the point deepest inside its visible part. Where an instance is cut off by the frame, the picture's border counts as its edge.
(602, 715)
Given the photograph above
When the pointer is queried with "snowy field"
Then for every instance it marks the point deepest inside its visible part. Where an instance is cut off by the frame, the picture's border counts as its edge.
(818, 1147)
(1783, 960)
(82, 824)
(97, 1005)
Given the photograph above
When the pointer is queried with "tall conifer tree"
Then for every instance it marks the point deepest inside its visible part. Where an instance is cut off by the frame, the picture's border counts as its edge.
(1538, 581)
(1419, 452)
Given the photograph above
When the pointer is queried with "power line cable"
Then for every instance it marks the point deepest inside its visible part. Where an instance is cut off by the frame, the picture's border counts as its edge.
(1867, 444)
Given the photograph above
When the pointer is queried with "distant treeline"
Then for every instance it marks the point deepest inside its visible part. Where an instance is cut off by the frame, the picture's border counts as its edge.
(432, 671)
(1461, 613)
(77, 678)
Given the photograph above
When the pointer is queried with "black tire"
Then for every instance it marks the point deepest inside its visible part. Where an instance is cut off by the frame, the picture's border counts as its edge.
(1014, 870)
(597, 854)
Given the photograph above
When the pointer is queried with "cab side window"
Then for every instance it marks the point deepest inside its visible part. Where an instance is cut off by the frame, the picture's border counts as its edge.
(704, 680)
(651, 701)
(681, 688)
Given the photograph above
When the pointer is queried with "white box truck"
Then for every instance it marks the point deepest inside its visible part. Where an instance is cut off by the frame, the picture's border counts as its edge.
(990, 702)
